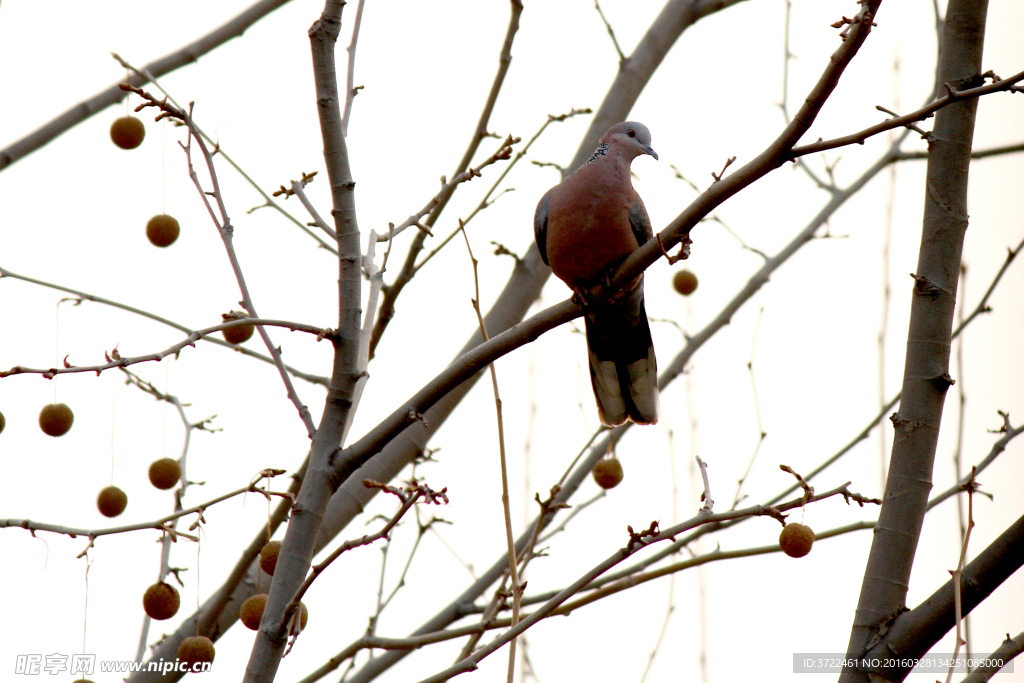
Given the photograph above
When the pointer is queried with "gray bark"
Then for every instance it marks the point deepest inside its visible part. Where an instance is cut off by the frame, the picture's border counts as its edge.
(925, 377)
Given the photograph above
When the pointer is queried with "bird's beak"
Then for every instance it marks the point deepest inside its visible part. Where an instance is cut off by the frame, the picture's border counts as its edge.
(650, 150)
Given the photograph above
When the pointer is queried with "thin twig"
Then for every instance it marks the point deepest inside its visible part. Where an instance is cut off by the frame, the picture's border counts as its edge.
(997, 85)
(487, 201)
(85, 296)
(350, 89)
(761, 434)
(975, 154)
(409, 499)
(958, 451)
(115, 360)
(503, 153)
(513, 563)
(158, 524)
(958, 572)
(408, 270)
(167, 539)
(637, 542)
(226, 230)
(268, 201)
(611, 33)
(296, 189)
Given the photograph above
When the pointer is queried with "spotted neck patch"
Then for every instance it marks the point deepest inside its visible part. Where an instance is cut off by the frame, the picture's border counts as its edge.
(601, 150)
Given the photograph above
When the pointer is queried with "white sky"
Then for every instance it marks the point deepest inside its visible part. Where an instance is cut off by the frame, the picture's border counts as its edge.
(74, 213)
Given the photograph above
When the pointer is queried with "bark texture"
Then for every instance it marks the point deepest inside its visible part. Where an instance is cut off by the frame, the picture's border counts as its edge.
(926, 373)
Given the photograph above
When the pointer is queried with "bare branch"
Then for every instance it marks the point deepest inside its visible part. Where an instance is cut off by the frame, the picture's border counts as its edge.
(975, 153)
(391, 293)
(447, 187)
(637, 542)
(315, 493)
(487, 201)
(907, 120)
(160, 524)
(115, 360)
(268, 201)
(226, 230)
(113, 94)
(415, 493)
(611, 33)
(85, 296)
(1006, 652)
(352, 90)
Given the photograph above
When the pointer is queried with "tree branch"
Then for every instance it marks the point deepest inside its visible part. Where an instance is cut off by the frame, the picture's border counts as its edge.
(350, 89)
(926, 374)
(85, 296)
(1006, 652)
(391, 292)
(913, 633)
(921, 114)
(297, 549)
(115, 360)
(113, 94)
(524, 285)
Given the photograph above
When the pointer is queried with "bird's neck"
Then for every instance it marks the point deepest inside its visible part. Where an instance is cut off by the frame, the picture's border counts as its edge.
(610, 166)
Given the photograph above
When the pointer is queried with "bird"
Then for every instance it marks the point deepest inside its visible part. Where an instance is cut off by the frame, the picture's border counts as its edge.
(585, 226)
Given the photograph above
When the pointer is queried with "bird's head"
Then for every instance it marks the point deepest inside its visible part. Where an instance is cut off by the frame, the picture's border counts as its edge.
(629, 138)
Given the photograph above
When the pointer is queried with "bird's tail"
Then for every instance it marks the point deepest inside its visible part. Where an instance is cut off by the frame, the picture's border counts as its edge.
(623, 369)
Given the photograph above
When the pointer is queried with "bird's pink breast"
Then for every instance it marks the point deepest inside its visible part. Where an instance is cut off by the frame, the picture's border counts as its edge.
(588, 225)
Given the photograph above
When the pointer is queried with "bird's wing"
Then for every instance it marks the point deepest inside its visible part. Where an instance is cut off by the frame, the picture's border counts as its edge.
(540, 225)
(639, 221)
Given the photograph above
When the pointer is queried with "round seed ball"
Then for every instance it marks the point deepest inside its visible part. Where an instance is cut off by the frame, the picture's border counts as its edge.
(55, 419)
(111, 501)
(164, 473)
(268, 556)
(161, 601)
(196, 650)
(162, 230)
(685, 282)
(238, 334)
(127, 132)
(252, 611)
(796, 539)
(303, 616)
(608, 473)
(2, 422)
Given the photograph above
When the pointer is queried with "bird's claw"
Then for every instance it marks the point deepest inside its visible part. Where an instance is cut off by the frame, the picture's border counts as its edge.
(579, 296)
(684, 249)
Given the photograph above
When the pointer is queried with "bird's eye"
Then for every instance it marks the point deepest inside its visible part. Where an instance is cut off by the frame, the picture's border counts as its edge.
(631, 133)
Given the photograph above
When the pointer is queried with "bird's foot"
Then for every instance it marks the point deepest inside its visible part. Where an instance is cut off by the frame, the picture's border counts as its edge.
(684, 249)
(579, 296)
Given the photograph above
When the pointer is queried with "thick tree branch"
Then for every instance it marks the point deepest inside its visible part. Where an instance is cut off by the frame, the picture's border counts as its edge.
(297, 549)
(926, 373)
(773, 157)
(524, 285)
(913, 633)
